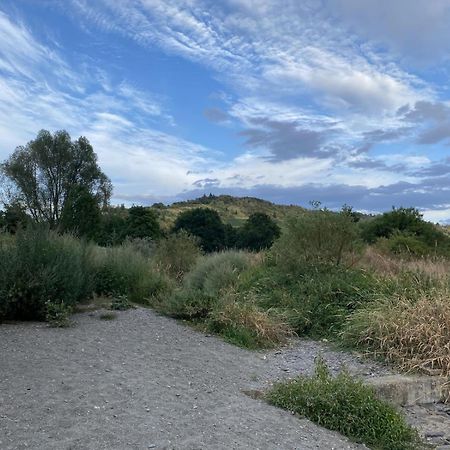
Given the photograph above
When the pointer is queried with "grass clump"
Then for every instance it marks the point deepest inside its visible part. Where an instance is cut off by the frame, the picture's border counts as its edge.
(58, 314)
(345, 405)
(413, 333)
(108, 316)
(246, 325)
(177, 254)
(207, 282)
(123, 271)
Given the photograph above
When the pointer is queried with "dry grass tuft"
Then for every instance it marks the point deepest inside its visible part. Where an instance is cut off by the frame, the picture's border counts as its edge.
(249, 326)
(413, 334)
(389, 266)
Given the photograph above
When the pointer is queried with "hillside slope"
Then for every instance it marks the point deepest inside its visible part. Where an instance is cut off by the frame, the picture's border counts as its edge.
(232, 210)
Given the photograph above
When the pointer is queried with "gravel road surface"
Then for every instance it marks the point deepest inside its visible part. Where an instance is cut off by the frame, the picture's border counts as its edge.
(144, 381)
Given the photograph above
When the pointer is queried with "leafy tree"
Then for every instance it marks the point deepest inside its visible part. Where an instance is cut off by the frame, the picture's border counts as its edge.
(43, 173)
(113, 228)
(81, 214)
(205, 224)
(258, 232)
(405, 228)
(13, 218)
(142, 223)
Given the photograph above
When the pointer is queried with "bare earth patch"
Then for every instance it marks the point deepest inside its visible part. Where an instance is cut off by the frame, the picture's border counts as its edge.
(140, 381)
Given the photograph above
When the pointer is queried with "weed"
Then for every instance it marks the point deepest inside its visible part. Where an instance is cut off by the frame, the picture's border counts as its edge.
(345, 405)
(58, 314)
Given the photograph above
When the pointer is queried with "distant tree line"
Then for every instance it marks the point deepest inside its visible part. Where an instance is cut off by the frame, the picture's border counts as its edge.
(56, 181)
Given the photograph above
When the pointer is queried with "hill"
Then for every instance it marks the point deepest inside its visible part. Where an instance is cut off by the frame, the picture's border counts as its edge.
(232, 210)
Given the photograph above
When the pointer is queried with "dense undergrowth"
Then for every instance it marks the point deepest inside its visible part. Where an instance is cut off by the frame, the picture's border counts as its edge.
(319, 279)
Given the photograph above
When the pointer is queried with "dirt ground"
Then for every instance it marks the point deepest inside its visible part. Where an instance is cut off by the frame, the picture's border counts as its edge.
(144, 381)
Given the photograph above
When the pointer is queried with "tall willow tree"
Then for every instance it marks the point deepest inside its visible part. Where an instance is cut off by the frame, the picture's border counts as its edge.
(47, 172)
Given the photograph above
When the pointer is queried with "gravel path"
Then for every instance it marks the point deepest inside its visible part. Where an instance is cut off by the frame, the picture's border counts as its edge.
(145, 381)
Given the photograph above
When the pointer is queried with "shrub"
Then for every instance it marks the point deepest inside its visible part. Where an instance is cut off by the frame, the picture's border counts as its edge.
(58, 314)
(120, 303)
(39, 267)
(414, 333)
(177, 254)
(203, 286)
(414, 234)
(314, 238)
(124, 271)
(215, 273)
(347, 406)
(315, 302)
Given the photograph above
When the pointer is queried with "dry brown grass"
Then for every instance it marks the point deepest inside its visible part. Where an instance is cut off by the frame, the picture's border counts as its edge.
(413, 334)
(267, 331)
(390, 266)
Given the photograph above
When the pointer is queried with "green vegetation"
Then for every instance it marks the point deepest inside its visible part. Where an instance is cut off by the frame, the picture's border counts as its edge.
(346, 405)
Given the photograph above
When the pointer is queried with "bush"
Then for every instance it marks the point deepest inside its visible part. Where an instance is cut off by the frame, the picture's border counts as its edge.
(413, 333)
(40, 267)
(177, 254)
(215, 273)
(122, 271)
(413, 233)
(315, 302)
(347, 406)
(315, 238)
(58, 315)
(203, 287)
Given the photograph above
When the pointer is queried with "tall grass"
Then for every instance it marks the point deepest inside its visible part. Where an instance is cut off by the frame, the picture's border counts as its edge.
(414, 334)
(122, 271)
(39, 266)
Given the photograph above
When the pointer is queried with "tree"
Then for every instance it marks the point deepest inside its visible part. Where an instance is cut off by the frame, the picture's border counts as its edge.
(13, 218)
(142, 223)
(258, 232)
(81, 214)
(43, 173)
(205, 224)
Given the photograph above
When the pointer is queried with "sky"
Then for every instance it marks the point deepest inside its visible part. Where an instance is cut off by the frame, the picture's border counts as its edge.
(339, 101)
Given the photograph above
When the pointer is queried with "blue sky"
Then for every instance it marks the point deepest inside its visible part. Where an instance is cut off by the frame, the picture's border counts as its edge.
(341, 101)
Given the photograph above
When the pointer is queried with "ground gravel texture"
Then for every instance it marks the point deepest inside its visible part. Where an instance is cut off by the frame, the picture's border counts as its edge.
(144, 381)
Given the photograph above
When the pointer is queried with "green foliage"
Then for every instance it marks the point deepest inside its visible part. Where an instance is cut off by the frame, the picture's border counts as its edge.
(258, 232)
(113, 227)
(14, 218)
(315, 301)
(177, 254)
(121, 271)
(44, 172)
(142, 223)
(108, 316)
(203, 286)
(81, 213)
(345, 405)
(58, 314)
(403, 244)
(319, 237)
(120, 303)
(40, 267)
(407, 232)
(217, 272)
(206, 225)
